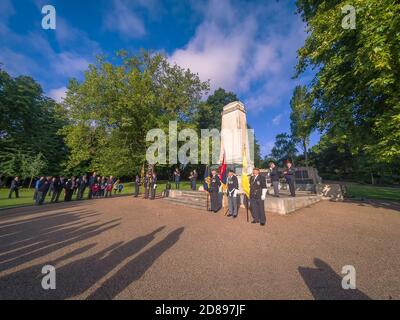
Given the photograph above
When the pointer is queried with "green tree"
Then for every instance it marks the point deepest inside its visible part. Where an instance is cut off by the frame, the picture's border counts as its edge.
(32, 166)
(116, 104)
(209, 112)
(355, 90)
(29, 125)
(284, 148)
(302, 118)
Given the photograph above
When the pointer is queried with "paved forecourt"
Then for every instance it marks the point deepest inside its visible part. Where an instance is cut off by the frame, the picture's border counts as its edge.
(126, 248)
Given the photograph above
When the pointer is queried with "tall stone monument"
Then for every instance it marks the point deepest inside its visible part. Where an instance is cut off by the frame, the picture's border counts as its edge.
(236, 140)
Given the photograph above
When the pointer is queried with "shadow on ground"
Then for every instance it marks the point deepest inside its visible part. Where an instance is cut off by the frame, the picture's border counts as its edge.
(325, 284)
(83, 274)
(29, 239)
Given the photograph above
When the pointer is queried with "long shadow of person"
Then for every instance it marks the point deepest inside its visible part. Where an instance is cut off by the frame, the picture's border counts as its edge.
(135, 269)
(81, 275)
(75, 277)
(325, 284)
(43, 244)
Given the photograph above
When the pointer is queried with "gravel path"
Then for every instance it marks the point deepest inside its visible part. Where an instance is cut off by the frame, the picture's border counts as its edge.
(130, 248)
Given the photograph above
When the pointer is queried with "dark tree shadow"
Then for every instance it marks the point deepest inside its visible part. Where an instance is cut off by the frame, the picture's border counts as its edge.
(325, 284)
(135, 269)
(386, 204)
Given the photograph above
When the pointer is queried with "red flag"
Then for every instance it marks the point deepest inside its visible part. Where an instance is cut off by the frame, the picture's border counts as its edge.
(222, 171)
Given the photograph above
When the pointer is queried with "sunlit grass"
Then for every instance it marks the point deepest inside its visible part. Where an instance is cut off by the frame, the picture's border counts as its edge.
(372, 192)
(26, 195)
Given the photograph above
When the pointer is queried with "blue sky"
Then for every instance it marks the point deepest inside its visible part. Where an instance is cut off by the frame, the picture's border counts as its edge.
(248, 47)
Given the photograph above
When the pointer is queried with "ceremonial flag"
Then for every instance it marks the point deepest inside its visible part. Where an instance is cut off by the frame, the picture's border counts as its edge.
(245, 177)
(207, 179)
(222, 172)
(142, 174)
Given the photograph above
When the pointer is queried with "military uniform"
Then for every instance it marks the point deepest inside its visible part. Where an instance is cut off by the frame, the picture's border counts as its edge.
(274, 175)
(146, 184)
(15, 185)
(137, 186)
(215, 183)
(233, 187)
(193, 180)
(290, 175)
(257, 184)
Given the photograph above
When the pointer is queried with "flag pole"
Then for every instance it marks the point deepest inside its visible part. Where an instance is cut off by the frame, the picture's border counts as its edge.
(247, 208)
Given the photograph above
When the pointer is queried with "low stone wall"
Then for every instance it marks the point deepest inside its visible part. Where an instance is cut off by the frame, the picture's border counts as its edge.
(288, 205)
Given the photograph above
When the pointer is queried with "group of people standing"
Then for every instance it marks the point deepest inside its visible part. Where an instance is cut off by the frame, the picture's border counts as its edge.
(98, 187)
(193, 176)
(258, 190)
(54, 187)
(149, 182)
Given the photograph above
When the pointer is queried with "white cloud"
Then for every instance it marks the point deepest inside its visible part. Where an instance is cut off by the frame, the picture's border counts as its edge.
(122, 18)
(252, 54)
(276, 121)
(70, 64)
(75, 51)
(58, 94)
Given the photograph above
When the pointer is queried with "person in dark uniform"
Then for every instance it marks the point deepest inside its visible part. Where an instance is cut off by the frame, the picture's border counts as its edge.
(146, 184)
(69, 187)
(258, 191)
(54, 188)
(58, 188)
(42, 192)
(15, 185)
(233, 188)
(215, 183)
(177, 178)
(137, 186)
(274, 175)
(92, 181)
(193, 179)
(82, 187)
(51, 188)
(153, 186)
(290, 175)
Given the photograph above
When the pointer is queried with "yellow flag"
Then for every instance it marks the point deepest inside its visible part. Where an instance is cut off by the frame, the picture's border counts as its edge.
(245, 177)
(142, 174)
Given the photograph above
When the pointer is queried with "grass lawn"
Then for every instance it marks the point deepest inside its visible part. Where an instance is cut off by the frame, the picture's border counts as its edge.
(372, 192)
(26, 195)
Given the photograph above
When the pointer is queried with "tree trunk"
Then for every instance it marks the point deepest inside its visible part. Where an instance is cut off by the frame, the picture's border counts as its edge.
(30, 183)
(305, 152)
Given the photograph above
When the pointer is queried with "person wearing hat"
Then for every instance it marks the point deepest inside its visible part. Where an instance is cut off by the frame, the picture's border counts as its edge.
(258, 192)
(290, 175)
(146, 184)
(233, 188)
(215, 183)
(274, 175)
(137, 186)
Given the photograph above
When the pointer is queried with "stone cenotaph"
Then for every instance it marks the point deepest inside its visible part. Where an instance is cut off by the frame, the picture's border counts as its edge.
(236, 139)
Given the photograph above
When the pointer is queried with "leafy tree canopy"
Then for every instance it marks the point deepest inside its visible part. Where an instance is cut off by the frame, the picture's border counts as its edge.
(355, 91)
